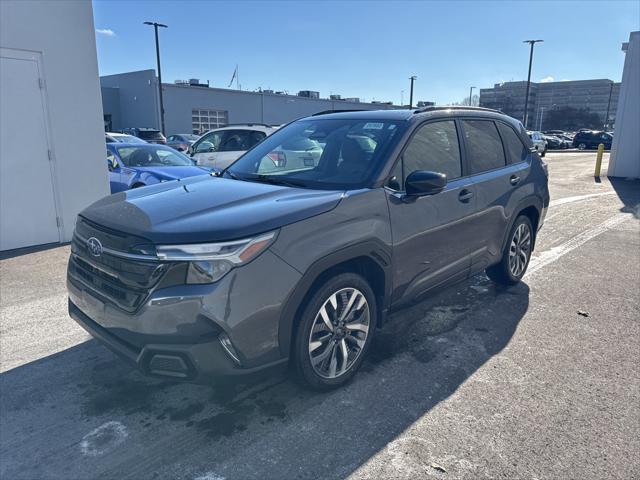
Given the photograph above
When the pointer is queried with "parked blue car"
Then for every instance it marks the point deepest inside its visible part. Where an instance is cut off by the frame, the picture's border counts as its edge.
(133, 165)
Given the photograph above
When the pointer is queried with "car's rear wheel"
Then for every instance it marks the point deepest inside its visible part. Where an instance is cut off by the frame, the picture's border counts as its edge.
(582, 146)
(516, 254)
(335, 332)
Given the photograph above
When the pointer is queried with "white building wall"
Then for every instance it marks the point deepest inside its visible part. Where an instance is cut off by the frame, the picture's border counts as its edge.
(625, 151)
(59, 36)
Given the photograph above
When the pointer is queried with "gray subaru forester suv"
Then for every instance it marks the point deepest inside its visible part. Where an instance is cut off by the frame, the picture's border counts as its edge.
(299, 250)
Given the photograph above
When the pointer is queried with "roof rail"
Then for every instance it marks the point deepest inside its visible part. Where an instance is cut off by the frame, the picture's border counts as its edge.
(455, 107)
(249, 124)
(327, 112)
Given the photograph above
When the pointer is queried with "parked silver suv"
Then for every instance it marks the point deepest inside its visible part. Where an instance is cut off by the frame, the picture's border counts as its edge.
(275, 261)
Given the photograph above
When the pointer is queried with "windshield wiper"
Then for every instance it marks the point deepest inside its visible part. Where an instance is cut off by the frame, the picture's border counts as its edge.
(232, 175)
(276, 181)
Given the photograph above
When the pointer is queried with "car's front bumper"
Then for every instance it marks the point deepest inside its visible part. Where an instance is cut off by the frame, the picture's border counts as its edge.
(177, 331)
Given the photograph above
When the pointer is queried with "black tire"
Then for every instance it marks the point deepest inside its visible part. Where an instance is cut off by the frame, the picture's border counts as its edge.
(503, 272)
(582, 146)
(544, 152)
(301, 354)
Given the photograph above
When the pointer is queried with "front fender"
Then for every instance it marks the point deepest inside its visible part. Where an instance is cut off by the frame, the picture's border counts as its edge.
(373, 250)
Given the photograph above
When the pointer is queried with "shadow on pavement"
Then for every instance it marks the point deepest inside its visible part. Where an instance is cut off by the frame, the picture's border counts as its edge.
(628, 190)
(83, 413)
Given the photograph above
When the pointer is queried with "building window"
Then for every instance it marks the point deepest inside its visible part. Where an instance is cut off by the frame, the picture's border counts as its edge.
(205, 120)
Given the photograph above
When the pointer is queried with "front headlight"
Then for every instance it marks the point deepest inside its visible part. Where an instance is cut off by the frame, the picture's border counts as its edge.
(209, 262)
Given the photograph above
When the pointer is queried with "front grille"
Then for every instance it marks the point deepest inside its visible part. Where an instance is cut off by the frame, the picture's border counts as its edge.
(124, 282)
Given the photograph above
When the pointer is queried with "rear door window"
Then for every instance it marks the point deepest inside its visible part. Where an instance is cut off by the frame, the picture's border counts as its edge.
(483, 146)
(516, 150)
(235, 140)
(255, 137)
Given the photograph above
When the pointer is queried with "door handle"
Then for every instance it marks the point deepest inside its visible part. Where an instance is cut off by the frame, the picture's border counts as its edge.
(465, 195)
(514, 180)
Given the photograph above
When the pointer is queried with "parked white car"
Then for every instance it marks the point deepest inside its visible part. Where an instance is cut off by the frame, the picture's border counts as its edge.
(538, 142)
(219, 148)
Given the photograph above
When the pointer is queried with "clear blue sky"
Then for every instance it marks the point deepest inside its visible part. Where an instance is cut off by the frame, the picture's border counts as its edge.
(367, 49)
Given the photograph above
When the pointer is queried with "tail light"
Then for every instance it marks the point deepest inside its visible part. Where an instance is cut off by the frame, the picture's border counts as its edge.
(279, 158)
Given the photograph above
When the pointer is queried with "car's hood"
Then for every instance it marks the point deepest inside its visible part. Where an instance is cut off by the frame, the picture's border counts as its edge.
(174, 173)
(207, 209)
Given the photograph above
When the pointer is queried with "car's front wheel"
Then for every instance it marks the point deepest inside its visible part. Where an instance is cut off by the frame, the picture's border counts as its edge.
(335, 332)
(516, 254)
(582, 146)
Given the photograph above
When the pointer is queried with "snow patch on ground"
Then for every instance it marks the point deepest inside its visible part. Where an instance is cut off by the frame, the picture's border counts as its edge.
(103, 439)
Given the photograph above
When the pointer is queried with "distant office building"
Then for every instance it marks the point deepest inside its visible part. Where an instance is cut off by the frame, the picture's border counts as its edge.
(131, 100)
(598, 96)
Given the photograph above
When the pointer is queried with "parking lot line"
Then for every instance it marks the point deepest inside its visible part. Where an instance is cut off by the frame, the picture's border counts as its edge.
(578, 198)
(554, 253)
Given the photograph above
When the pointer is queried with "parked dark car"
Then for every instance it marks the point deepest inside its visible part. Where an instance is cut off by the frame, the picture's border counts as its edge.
(591, 139)
(133, 165)
(182, 141)
(272, 262)
(150, 135)
(556, 143)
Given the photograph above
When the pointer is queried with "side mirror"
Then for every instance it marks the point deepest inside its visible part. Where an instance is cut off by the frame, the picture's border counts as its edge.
(423, 182)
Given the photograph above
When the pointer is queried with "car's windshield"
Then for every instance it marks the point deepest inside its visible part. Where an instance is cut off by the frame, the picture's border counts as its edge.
(320, 153)
(152, 156)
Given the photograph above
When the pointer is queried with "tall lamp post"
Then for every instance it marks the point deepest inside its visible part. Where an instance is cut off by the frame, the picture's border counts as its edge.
(413, 79)
(470, 94)
(606, 117)
(526, 95)
(155, 27)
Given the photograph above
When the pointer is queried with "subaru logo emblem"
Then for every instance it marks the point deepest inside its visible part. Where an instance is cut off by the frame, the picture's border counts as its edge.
(94, 246)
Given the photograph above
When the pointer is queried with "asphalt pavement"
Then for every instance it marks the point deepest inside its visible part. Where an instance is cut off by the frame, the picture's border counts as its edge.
(536, 381)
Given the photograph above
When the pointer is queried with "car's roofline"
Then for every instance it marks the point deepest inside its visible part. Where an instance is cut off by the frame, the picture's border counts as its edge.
(139, 144)
(411, 115)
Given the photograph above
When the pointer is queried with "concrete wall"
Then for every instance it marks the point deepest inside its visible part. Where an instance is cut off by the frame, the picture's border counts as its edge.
(138, 103)
(111, 105)
(625, 151)
(138, 99)
(243, 107)
(61, 33)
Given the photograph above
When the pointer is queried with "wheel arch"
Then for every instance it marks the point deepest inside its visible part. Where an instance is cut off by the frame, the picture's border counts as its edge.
(370, 259)
(532, 208)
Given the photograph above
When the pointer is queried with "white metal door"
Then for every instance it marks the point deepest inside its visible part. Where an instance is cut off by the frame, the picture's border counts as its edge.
(27, 201)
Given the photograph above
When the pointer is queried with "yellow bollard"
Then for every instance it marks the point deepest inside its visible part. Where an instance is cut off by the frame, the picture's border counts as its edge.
(599, 160)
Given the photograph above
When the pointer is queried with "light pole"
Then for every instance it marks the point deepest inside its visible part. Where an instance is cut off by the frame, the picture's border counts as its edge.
(412, 78)
(470, 94)
(155, 27)
(606, 117)
(526, 95)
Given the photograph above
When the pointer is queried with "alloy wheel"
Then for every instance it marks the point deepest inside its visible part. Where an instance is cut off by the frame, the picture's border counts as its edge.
(519, 250)
(339, 333)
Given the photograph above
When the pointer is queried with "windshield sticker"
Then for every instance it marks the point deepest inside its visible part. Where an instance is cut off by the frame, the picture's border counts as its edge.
(373, 126)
